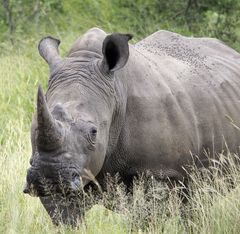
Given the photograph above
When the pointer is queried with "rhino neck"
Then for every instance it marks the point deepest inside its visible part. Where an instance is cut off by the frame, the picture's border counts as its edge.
(119, 111)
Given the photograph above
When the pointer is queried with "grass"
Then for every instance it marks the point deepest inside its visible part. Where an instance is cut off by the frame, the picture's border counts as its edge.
(213, 206)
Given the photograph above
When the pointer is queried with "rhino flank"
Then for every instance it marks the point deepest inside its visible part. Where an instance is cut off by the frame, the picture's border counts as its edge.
(114, 108)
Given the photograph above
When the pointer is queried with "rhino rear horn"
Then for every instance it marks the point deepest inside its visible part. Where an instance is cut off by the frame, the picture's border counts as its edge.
(48, 49)
(50, 132)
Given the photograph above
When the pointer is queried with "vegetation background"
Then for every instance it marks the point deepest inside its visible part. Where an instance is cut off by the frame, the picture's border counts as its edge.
(213, 207)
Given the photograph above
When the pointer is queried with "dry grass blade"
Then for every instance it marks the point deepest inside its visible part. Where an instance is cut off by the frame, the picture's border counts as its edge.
(232, 122)
(89, 175)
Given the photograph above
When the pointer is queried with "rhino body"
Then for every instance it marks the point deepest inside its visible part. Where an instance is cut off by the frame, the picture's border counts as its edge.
(158, 105)
(177, 95)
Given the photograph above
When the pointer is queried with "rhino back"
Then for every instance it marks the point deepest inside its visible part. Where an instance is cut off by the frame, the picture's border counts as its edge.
(180, 91)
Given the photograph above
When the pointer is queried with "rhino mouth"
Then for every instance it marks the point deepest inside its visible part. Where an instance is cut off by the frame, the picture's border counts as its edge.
(61, 197)
(63, 210)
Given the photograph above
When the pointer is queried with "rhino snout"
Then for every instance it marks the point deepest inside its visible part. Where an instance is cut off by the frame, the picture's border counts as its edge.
(60, 182)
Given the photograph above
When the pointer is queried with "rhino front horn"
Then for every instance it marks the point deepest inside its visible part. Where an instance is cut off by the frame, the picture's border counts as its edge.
(50, 131)
(48, 49)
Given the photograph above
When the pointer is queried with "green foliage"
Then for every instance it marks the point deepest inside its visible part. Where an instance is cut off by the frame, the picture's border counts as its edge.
(21, 18)
(34, 18)
(217, 18)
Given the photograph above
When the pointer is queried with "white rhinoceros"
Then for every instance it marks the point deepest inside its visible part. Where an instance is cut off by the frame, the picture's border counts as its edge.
(158, 105)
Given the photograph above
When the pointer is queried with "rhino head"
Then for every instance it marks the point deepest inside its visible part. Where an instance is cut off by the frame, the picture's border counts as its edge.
(71, 127)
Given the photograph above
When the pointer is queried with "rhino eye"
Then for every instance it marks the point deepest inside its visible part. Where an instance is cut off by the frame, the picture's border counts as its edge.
(93, 133)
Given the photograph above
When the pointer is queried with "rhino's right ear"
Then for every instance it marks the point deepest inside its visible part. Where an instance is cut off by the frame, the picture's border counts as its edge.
(115, 51)
(48, 49)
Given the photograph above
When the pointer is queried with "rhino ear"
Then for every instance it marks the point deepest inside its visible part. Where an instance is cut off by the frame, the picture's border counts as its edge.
(115, 51)
(48, 49)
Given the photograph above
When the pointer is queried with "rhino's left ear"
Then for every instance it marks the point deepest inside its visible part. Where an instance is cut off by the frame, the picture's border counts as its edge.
(115, 51)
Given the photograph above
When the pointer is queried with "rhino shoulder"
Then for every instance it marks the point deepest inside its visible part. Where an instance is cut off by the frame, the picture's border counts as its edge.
(158, 38)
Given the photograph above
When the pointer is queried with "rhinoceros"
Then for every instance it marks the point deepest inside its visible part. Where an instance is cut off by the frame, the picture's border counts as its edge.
(113, 108)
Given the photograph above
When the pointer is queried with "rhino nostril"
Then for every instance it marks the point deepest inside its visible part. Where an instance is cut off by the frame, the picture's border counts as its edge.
(26, 190)
(29, 189)
(75, 174)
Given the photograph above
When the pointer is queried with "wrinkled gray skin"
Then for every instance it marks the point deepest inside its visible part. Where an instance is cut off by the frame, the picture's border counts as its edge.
(114, 108)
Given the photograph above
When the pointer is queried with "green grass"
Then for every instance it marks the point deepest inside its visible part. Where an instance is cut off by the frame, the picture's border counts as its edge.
(213, 207)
